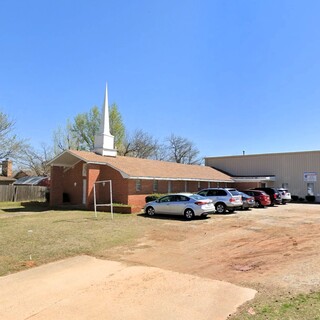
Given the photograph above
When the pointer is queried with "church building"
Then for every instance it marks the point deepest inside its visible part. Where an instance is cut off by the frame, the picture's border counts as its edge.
(75, 174)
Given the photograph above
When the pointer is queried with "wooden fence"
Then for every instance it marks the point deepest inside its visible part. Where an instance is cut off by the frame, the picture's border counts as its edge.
(22, 193)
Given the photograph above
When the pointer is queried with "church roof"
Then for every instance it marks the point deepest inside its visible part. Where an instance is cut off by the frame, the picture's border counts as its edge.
(137, 168)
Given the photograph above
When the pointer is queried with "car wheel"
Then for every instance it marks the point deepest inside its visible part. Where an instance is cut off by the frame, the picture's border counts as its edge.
(188, 214)
(220, 208)
(259, 205)
(150, 211)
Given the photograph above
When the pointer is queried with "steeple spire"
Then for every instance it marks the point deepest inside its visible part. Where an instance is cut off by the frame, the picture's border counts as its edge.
(104, 141)
(105, 124)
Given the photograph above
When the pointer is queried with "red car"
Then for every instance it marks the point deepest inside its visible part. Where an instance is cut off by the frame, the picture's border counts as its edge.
(261, 198)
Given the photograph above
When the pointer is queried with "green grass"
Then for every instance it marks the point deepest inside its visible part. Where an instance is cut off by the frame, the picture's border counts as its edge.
(51, 235)
(288, 307)
(6, 205)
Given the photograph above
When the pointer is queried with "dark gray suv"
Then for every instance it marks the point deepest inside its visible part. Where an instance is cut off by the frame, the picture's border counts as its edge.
(223, 198)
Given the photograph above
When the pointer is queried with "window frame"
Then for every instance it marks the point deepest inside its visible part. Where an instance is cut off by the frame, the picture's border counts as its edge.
(155, 186)
(138, 185)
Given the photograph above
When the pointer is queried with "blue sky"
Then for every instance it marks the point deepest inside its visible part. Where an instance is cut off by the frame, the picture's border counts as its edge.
(228, 75)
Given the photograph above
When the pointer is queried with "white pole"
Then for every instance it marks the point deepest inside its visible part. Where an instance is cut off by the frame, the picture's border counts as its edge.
(111, 199)
(94, 199)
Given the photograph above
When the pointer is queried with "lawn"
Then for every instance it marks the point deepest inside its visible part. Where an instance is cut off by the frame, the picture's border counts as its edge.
(282, 307)
(48, 235)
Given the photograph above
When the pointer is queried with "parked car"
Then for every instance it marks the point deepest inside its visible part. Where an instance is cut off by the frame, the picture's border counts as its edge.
(260, 197)
(285, 195)
(185, 204)
(223, 198)
(275, 196)
(247, 201)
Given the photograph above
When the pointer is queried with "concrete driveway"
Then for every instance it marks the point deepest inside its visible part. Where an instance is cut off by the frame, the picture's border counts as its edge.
(88, 288)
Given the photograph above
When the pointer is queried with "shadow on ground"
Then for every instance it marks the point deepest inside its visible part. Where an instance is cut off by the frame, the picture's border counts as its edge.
(35, 206)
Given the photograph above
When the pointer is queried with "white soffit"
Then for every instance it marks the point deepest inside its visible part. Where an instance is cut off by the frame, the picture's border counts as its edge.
(65, 159)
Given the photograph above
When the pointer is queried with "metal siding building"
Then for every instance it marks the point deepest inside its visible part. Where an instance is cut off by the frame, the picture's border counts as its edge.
(297, 171)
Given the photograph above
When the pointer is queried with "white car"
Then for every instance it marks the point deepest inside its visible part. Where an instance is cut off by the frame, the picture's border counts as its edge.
(285, 195)
(185, 204)
(223, 198)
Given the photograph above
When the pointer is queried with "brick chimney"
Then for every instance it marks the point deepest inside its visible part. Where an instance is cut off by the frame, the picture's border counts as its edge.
(7, 168)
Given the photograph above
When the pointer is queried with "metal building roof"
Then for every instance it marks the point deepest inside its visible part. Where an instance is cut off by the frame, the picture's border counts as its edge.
(29, 181)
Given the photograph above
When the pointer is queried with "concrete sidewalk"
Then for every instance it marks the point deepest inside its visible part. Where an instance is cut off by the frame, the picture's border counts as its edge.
(88, 288)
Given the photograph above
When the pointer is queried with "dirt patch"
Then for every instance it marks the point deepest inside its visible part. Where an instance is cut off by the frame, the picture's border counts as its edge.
(275, 248)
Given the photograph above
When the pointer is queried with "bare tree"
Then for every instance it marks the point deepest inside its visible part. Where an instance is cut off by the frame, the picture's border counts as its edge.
(139, 145)
(10, 145)
(64, 139)
(36, 161)
(181, 150)
(161, 153)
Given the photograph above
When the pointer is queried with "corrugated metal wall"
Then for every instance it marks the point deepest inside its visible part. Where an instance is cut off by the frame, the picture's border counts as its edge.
(287, 167)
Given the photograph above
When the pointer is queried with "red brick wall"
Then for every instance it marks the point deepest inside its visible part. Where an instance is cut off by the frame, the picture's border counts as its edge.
(56, 189)
(93, 171)
(69, 182)
(72, 183)
(246, 185)
(119, 185)
(137, 201)
(123, 190)
(162, 187)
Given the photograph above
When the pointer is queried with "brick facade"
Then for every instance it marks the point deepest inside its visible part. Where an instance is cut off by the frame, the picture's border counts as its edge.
(68, 184)
(246, 185)
(74, 175)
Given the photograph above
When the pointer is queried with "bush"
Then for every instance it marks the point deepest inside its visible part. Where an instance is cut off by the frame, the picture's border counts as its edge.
(153, 197)
(301, 199)
(295, 198)
(311, 198)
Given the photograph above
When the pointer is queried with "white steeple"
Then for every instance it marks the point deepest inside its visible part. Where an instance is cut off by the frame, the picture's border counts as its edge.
(104, 141)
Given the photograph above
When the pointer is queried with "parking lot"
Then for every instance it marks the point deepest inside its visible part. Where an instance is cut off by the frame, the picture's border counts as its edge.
(270, 249)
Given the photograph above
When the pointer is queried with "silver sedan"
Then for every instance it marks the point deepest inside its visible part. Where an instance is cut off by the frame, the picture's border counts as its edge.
(185, 204)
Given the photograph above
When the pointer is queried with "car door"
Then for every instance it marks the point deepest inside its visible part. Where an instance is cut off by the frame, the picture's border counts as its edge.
(212, 194)
(220, 195)
(177, 204)
(164, 204)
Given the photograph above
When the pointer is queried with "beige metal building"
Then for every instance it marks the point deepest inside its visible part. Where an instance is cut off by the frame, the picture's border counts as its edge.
(296, 171)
